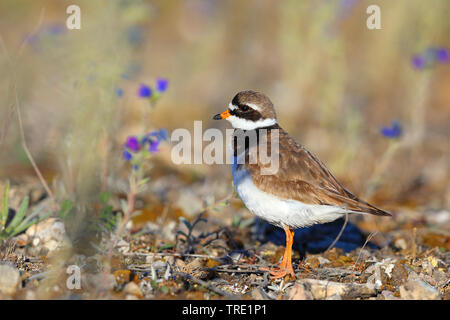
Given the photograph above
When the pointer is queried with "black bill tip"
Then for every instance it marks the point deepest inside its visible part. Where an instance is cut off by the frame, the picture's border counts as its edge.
(217, 117)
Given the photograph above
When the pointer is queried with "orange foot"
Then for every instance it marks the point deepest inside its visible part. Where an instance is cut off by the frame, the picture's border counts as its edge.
(285, 267)
(279, 272)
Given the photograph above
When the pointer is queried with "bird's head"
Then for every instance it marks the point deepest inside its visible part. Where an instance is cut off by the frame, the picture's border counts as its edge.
(249, 110)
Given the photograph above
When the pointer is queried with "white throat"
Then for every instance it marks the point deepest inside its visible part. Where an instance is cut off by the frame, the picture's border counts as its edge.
(244, 124)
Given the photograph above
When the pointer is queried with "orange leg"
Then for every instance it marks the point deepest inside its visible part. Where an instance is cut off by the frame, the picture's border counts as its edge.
(285, 266)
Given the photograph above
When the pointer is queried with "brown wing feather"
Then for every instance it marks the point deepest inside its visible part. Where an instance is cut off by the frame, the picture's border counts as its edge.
(303, 177)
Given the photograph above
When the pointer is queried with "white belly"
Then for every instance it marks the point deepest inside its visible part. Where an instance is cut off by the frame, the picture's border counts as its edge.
(281, 212)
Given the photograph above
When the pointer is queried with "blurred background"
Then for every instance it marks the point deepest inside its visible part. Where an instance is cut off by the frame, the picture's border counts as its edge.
(374, 105)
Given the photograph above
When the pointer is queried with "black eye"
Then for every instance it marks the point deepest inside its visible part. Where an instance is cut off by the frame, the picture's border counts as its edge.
(245, 108)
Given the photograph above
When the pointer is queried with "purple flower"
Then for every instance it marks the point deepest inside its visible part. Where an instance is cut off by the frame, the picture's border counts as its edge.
(153, 146)
(418, 62)
(161, 134)
(392, 132)
(132, 144)
(162, 84)
(442, 55)
(144, 91)
(127, 155)
(57, 29)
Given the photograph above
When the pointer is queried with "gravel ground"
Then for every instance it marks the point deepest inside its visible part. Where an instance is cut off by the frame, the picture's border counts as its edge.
(407, 258)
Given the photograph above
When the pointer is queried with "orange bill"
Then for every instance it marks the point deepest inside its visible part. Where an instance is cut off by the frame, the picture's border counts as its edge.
(222, 115)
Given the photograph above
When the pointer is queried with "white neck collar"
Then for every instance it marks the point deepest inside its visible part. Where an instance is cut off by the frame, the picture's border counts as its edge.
(244, 124)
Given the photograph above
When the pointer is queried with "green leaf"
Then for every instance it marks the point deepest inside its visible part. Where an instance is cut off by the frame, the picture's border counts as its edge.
(118, 219)
(104, 197)
(66, 206)
(5, 208)
(165, 289)
(23, 226)
(124, 206)
(246, 223)
(19, 216)
(166, 246)
(154, 284)
(186, 223)
(143, 181)
(236, 221)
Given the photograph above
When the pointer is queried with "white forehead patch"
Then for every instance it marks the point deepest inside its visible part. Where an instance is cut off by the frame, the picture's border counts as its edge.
(232, 106)
(244, 124)
(254, 106)
(251, 105)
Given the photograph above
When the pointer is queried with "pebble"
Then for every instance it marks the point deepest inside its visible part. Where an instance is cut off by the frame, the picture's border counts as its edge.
(256, 294)
(401, 244)
(419, 290)
(322, 289)
(50, 234)
(133, 289)
(299, 292)
(9, 279)
(388, 295)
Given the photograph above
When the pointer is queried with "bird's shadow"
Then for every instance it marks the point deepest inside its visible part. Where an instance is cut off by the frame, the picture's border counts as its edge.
(314, 239)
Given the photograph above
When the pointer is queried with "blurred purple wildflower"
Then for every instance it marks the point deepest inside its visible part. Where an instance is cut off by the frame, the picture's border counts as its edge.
(119, 92)
(153, 147)
(144, 91)
(161, 134)
(154, 139)
(132, 144)
(162, 84)
(57, 29)
(442, 55)
(430, 57)
(418, 62)
(127, 155)
(392, 132)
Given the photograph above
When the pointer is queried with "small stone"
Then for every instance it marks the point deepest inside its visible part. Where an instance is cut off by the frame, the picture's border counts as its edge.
(133, 289)
(9, 279)
(35, 242)
(321, 289)
(299, 292)
(50, 234)
(419, 290)
(256, 294)
(401, 244)
(388, 295)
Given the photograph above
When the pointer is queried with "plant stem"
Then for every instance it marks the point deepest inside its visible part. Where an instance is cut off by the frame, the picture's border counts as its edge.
(126, 217)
